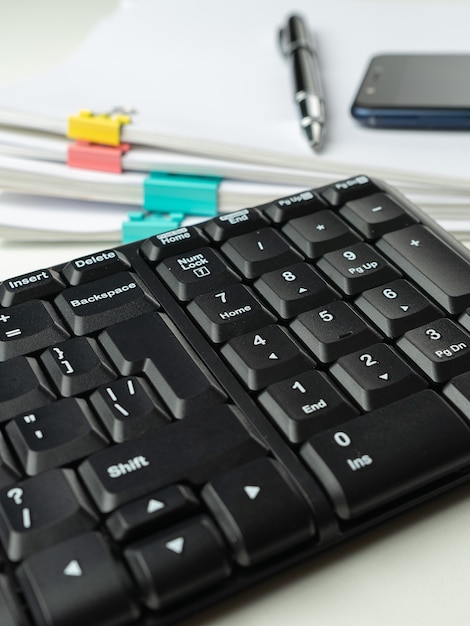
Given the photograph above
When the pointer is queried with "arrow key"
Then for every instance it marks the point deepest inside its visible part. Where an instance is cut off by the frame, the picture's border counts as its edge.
(178, 562)
(376, 376)
(246, 502)
(294, 289)
(151, 513)
(397, 307)
(77, 582)
(265, 356)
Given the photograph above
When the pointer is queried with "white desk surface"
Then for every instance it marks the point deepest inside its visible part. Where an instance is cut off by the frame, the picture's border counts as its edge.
(412, 571)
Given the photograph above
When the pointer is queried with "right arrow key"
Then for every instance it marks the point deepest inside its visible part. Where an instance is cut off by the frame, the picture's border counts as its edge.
(248, 500)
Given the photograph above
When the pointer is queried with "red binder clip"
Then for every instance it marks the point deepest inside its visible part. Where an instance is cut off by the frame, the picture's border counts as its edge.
(90, 156)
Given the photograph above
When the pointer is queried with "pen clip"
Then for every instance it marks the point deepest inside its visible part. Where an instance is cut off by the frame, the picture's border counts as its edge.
(294, 36)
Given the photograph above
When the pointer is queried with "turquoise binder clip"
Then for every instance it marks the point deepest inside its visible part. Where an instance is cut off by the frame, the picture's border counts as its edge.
(168, 199)
(191, 195)
(142, 224)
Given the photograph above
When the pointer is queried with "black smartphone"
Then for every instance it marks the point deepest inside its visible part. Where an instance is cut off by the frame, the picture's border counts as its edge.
(415, 91)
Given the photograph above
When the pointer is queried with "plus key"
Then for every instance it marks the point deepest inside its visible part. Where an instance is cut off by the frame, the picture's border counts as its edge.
(431, 263)
(28, 327)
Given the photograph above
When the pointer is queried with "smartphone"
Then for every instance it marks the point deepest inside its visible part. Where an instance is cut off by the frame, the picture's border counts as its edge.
(415, 91)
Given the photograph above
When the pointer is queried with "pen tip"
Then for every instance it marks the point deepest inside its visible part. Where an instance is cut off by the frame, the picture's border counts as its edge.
(315, 133)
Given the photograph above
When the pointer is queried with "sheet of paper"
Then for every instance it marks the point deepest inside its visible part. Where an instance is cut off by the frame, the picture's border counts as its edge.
(199, 73)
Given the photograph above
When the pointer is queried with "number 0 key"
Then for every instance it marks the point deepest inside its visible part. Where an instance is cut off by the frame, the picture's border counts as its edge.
(375, 458)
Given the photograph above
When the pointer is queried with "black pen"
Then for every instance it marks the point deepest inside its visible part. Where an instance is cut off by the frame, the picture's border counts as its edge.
(297, 44)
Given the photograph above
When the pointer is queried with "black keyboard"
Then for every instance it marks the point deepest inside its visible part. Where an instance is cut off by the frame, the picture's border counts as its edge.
(188, 415)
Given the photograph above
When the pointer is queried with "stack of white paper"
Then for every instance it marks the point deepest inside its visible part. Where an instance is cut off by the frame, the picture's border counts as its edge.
(212, 95)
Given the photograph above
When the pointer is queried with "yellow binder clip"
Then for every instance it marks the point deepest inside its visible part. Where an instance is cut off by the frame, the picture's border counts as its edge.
(97, 128)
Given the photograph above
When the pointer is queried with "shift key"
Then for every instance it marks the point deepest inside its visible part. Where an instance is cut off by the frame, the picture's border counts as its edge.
(189, 451)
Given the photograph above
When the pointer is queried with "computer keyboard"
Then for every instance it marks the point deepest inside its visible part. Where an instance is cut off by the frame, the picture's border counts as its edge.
(186, 416)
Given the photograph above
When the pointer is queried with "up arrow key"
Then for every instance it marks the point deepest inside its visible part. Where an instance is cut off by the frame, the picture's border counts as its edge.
(73, 569)
(176, 545)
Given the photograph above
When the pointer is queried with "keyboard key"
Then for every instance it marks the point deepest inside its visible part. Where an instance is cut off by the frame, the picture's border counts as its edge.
(294, 289)
(344, 191)
(156, 510)
(189, 451)
(178, 563)
(77, 365)
(441, 349)
(9, 472)
(234, 223)
(201, 270)
(28, 327)
(94, 266)
(55, 435)
(457, 391)
(77, 582)
(23, 387)
(432, 264)
(147, 345)
(376, 376)
(376, 215)
(464, 319)
(375, 458)
(258, 252)
(265, 356)
(306, 404)
(43, 510)
(11, 613)
(397, 307)
(318, 233)
(333, 330)
(356, 268)
(259, 510)
(172, 242)
(286, 208)
(93, 306)
(35, 285)
(229, 312)
(128, 407)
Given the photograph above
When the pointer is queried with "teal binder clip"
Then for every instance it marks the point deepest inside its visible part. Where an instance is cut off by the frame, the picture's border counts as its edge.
(168, 199)
(143, 224)
(172, 193)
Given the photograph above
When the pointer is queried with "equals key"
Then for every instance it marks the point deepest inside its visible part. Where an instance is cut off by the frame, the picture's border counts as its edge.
(28, 327)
